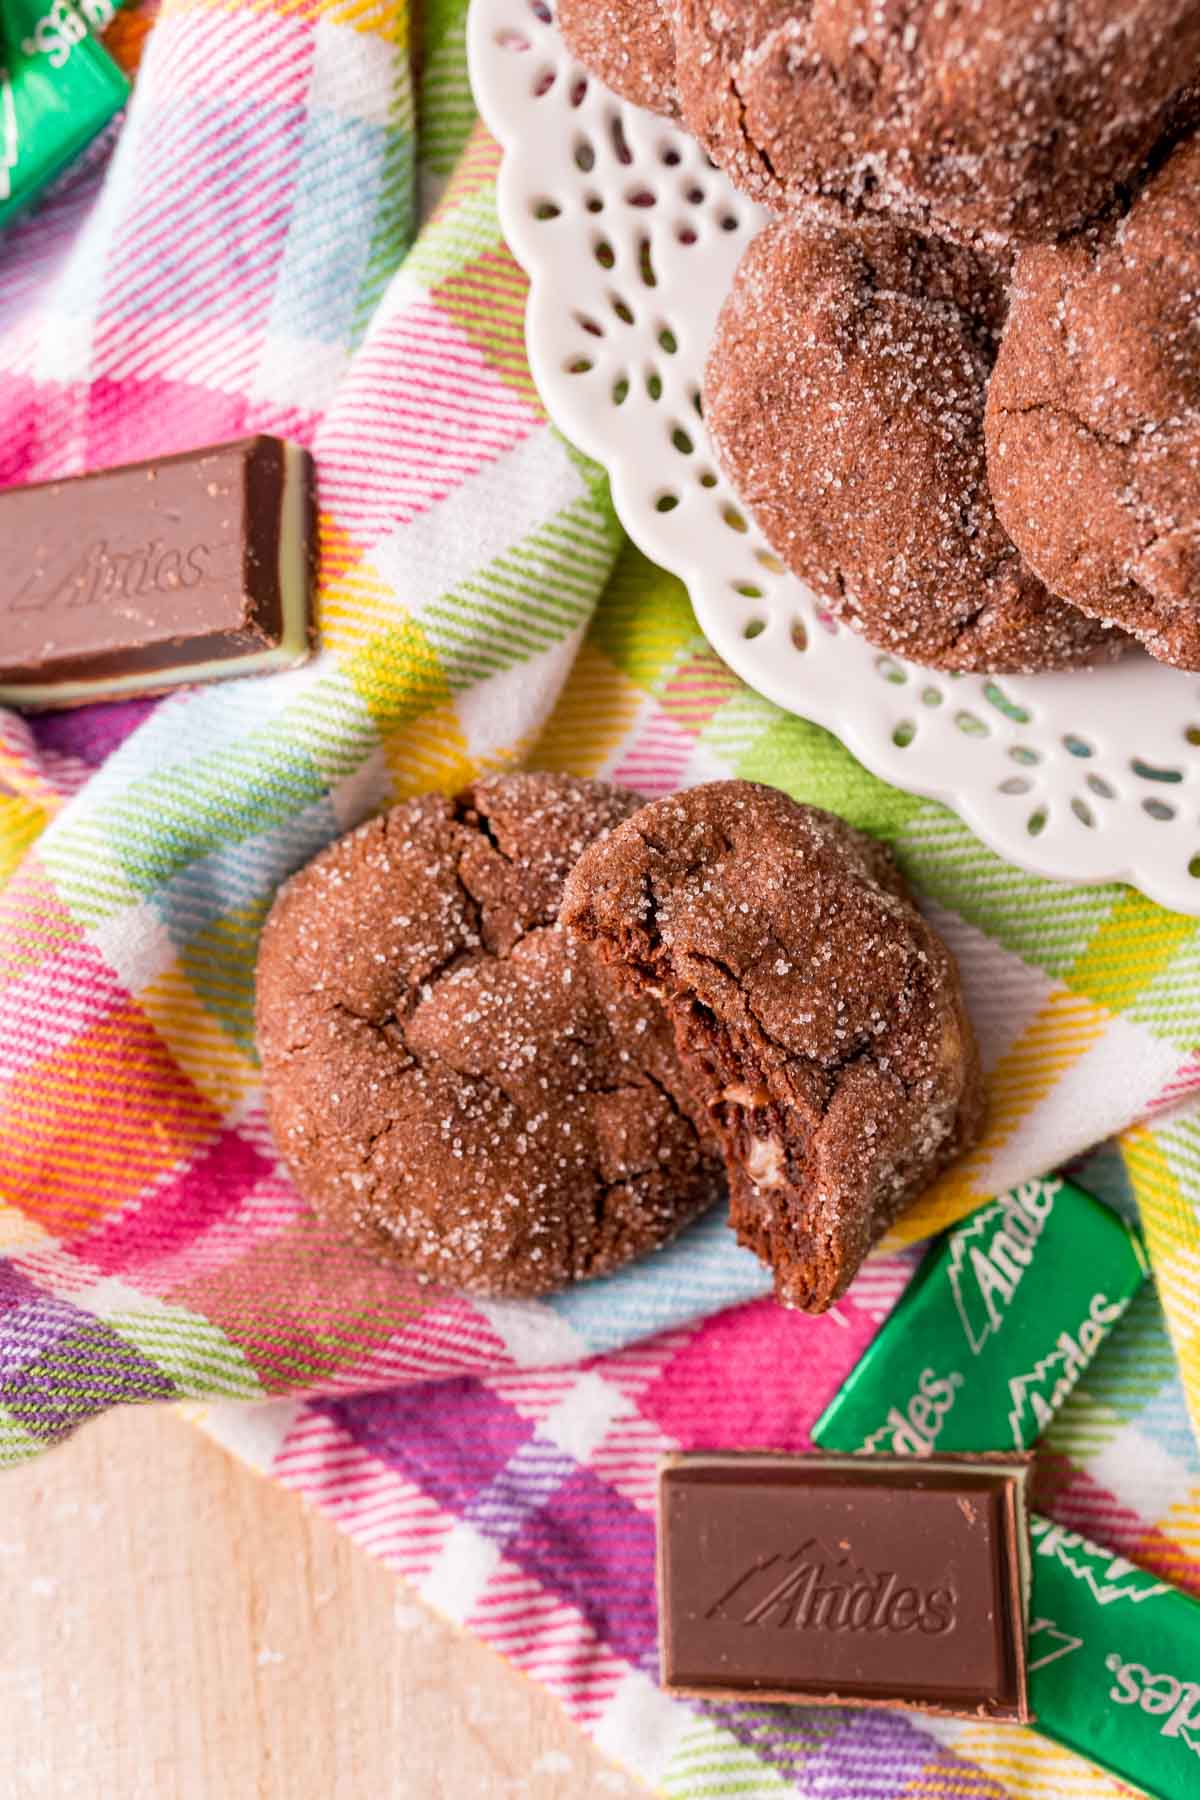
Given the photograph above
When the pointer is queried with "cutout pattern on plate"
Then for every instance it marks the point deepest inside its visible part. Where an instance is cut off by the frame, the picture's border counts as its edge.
(630, 239)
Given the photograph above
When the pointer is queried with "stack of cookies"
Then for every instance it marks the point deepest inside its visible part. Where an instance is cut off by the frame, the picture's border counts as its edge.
(957, 380)
(515, 1039)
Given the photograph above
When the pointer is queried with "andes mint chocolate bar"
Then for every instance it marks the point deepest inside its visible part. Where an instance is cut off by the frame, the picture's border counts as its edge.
(1114, 1663)
(994, 1330)
(846, 1580)
(136, 579)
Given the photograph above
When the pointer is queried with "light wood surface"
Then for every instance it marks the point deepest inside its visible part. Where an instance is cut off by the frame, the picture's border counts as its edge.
(173, 1625)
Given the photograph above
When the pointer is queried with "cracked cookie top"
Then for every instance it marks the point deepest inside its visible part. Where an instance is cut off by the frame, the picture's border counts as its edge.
(818, 1014)
(994, 120)
(845, 394)
(451, 1079)
(1093, 418)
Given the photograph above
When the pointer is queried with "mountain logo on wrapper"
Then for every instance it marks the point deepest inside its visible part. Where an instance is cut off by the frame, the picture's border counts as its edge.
(1169, 1697)
(993, 1331)
(990, 1254)
(1055, 1645)
(1114, 1662)
(1042, 1391)
(818, 1589)
(1110, 1578)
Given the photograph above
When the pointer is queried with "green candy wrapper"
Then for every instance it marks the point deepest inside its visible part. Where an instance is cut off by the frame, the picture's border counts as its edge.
(1114, 1663)
(58, 88)
(993, 1332)
(51, 28)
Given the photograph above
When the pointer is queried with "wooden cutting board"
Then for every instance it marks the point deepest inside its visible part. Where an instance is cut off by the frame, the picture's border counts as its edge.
(174, 1625)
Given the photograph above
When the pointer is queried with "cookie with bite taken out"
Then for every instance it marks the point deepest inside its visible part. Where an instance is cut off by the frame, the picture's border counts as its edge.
(817, 1013)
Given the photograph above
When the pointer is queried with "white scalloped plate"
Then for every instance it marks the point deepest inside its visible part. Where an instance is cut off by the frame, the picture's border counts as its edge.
(630, 239)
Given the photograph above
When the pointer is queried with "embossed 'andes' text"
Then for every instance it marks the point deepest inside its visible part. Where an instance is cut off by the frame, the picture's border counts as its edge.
(809, 1590)
(103, 575)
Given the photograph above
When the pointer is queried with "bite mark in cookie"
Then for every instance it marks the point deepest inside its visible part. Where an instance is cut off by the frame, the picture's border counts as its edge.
(819, 1015)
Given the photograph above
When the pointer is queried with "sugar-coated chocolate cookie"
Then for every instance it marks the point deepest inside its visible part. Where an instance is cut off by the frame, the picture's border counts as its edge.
(845, 394)
(993, 118)
(450, 1078)
(1093, 416)
(819, 1015)
(628, 44)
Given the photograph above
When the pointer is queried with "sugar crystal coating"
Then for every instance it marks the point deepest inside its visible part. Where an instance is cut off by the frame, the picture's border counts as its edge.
(845, 395)
(1093, 417)
(629, 44)
(453, 1081)
(994, 119)
(818, 1014)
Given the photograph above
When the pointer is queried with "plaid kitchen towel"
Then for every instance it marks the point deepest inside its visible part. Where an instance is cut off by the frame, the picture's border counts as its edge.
(251, 256)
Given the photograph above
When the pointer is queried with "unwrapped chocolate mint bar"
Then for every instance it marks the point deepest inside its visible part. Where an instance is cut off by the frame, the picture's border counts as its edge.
(137, 579)
(854, 1581)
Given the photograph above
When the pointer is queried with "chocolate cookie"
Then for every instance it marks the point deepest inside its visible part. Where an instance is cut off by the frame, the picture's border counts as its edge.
(818, 1014)
(845, 395)
(450, 1078)
(1093, 417)
(628, 44)
(993, 118)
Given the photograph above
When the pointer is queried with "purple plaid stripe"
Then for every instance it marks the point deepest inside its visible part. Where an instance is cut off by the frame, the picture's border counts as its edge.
(468, 1450)
(451, 1440)
(15, 1290)
(76, 1376)
(526, 1483)
(880, 1756)
(596, 1550)
(90, 733)
(783, 1736)
(32, 1324)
